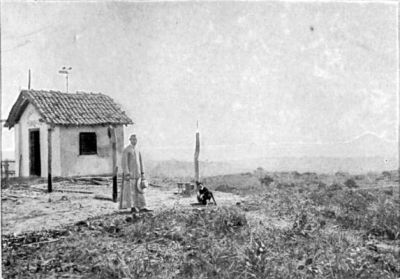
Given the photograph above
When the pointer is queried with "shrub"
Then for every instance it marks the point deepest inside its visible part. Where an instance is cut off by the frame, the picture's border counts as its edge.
(386, 174)
(352, 201)
(384, 219)
(389, 191)
(227, 220)
(296, 174)
(359, 177)
(375, 213)
(266, 180)
(335, 187)
(321, 186)
(350, 183)
(341, 174)
(285, 185)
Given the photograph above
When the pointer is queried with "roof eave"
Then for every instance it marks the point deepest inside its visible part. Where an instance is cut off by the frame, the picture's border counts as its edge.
(16, 111)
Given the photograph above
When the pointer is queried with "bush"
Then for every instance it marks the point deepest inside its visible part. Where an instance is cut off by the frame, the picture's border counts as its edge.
(384, 219)
(386, 174)
(352, 201)
(266, 180)
(359, 177)
(296, 174)
(375, 213)
(321, 186)
(351, 184)
(285, 185)
(335, 187)
(388, 191)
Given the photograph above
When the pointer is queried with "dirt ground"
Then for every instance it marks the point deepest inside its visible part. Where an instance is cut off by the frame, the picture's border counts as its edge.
(32, 208)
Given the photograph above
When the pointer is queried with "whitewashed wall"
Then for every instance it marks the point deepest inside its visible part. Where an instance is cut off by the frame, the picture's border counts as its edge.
(30, 120)
(66, 160)
(101, 163)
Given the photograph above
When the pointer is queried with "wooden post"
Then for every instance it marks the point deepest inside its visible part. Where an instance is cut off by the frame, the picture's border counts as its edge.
(20, 150)
(113, 139)
(6, 165)
(20, 166)
(49, 156)
(196, 158)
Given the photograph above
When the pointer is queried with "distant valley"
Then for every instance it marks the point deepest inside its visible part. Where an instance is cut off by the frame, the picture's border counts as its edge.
(175, 168)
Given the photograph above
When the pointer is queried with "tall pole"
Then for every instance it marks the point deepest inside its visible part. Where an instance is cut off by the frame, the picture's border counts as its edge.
(196, 156)
(29, 80)
(113, 139)
(49, 157)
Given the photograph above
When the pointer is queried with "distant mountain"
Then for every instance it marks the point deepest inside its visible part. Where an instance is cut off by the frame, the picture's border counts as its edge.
(365, 145)
(324, 164)
(370, 145)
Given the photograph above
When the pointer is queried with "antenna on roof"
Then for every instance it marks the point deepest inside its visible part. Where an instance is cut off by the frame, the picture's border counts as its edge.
(29, 80)
(64, 70)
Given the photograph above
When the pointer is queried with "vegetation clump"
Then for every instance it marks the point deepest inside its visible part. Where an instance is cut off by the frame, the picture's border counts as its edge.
(266, 180)
(280, 232)
(351, 184)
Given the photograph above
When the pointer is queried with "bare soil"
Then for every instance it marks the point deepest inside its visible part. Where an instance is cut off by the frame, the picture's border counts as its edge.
(31, 208)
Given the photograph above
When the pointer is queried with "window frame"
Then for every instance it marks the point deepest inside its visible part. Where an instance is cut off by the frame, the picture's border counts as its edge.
(84, 143)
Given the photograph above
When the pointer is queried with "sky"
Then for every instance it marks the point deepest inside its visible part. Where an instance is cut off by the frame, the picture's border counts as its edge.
(262, 78)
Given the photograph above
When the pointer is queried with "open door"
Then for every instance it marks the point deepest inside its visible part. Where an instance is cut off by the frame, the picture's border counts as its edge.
(34, 153)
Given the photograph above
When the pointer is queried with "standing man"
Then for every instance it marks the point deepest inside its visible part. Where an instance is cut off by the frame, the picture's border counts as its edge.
(132, 195)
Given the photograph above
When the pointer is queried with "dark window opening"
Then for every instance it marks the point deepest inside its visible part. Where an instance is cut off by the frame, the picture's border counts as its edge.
(87, 144)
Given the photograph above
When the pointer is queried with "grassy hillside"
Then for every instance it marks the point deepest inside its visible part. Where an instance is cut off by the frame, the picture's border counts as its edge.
(290, 226)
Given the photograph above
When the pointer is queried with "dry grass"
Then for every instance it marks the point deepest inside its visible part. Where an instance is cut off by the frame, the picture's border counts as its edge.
(331, 232)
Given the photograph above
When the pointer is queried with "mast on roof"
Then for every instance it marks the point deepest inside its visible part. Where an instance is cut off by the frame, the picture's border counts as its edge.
(29, 79)
(65, 71)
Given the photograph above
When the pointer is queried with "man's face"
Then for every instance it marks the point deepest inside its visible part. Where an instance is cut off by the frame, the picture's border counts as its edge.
(133, 140)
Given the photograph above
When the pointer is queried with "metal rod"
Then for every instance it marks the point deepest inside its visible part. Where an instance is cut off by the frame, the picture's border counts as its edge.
(29, 80)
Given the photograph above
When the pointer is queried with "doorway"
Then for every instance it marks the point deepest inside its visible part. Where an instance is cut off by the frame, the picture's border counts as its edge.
(34, 153)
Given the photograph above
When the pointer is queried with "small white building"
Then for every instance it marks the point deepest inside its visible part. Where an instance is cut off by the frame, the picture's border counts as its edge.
(80, 127)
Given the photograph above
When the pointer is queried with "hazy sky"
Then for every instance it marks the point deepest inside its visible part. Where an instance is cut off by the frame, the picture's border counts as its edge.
(262, 78)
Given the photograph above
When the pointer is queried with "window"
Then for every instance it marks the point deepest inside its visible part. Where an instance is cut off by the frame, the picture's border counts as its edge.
(87, 143)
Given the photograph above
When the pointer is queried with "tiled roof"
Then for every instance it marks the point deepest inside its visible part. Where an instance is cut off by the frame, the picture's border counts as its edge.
(79, 109)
